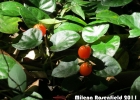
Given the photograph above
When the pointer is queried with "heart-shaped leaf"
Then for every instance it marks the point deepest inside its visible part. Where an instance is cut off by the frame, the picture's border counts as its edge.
(30, 39)
(112, 66)
(115, 3)
(63, 40)
(93, 33)
(9, 25)
(46, 5)
(107, 45)
(17, 79)
(32, 15)
(135, 90)
(10, 8)
(66, 69)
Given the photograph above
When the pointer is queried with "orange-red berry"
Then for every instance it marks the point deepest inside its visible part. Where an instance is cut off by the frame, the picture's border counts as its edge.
(41, 27)
(84, 51)
(85, 69)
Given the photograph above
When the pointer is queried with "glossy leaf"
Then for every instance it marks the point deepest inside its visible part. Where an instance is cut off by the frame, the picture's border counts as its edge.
(17, 79)
(135, 90)
(127, 20)
(46, 5)
(93, 33)
(7, 62)
(136, 17)
(112, 66)
(30, 39)
(66, 69)
(75, 19)
(134, 33)
(9, 25)
(63, 40)
(10, 8)
(107, 45)
(132, 21)
(108, 16)
(76, 8)
(35, 94)
(115, 3)
(32, 15)
(69, 26)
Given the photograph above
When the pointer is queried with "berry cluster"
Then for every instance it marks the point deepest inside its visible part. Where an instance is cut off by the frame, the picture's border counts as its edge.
(84, 53)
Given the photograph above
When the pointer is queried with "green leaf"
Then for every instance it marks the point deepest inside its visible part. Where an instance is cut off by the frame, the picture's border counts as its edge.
(69, 26)
(75, 19)
(50, 21)
(71, 83)
(135, 90)
(134, 33)
(136, 17)
(35, 94)
(63, 40)
(17, 79)
(10, 8)
(115, 3)
(76, 8)
(66, 69)
(97, 22)
(127, 20)
(107, 45)
(132, 21)
(93, 33)
(30, 39)
(9, 25)
(32, 15)
(112, 66)
(46, 5)
(108, 16)
(6, 63)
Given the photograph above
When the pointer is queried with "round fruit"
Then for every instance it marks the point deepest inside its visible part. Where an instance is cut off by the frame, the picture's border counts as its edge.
(84, 52)
(85, 69)
(41, 27)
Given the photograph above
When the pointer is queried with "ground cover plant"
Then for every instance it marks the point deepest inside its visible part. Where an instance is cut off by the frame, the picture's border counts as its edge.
(56, 49)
